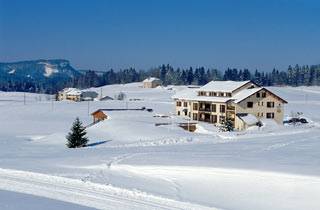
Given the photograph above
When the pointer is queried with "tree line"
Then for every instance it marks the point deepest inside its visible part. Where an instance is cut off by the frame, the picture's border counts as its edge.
(293, 76)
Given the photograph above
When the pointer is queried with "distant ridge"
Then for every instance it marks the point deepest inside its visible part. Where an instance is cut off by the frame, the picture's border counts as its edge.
(42, 75)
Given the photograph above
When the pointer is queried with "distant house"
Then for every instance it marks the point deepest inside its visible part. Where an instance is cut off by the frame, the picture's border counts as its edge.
(151, 82)
(242, 103)
(72, 94)
(106, 98)
(88, 95)
(99, 115)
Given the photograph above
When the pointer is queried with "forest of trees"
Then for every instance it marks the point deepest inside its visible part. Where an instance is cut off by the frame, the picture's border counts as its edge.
(293, 76)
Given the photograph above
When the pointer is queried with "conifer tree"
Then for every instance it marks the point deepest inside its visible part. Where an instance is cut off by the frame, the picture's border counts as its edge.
(76, 137)
(227, 125)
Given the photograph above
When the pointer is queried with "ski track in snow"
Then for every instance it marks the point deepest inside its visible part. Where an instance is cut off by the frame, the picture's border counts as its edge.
(265, 188)
(85, 193)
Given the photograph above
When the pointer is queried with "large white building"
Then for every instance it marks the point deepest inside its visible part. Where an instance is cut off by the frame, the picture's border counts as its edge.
(243, 103)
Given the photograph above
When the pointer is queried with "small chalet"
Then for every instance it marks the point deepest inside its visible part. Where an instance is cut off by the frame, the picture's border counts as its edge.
(151, 82)
(99, 115)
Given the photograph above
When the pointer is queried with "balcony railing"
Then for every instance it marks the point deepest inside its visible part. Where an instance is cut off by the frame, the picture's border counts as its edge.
(205, 109)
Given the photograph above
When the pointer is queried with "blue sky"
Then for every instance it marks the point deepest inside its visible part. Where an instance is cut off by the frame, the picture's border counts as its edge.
(101, 34)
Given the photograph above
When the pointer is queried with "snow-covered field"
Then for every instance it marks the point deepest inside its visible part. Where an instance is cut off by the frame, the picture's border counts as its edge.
(137, 165)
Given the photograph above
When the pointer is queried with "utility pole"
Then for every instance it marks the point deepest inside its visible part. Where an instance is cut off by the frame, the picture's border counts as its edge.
(24, 98)
(52, 102)
(88, 108)
(100, 93)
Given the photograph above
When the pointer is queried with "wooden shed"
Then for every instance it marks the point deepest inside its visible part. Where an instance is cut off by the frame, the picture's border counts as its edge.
(99, 115)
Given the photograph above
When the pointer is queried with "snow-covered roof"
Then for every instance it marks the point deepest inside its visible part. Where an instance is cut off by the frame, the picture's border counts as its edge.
(249, 119)
(243, 94)
(151, 79)
(192, 95)
(106, 98)
(222, 86)
(72, 91)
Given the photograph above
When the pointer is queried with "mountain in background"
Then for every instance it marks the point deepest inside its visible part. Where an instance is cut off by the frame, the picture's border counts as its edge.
(36, 75)
(39, 69)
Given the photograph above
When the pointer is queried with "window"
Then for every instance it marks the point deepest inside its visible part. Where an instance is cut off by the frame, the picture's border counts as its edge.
(214, 108)
(249, 104)
(262, 103)
(263, 94)
(270, 115)
(195, 116)
(214, 119)
(222, 119)
(185, 104)
(178, 112)
(258, 103)
(221, 94)
(195, 106)
(222, 108)
(270, 104)
(229, 94)
(178, 103)
(214, 94)
(258, 95)
(185, 112)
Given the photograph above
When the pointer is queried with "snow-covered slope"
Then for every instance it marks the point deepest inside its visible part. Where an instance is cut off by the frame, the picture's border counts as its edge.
(136, 164)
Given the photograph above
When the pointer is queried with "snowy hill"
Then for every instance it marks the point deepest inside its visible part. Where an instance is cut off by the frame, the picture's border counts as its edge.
(134, 164)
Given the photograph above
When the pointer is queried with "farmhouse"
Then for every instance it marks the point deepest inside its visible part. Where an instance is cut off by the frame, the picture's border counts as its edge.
(72, 94)
(151, 82)
(75, 94)
(242, 103)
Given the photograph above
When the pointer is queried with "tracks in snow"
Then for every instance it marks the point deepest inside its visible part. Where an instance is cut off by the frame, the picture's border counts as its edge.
(84, 193)
(235, 188)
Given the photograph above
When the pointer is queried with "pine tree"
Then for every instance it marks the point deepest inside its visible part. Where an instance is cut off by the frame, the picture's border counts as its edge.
(227, 125)
(76, 138)
(190, 76)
